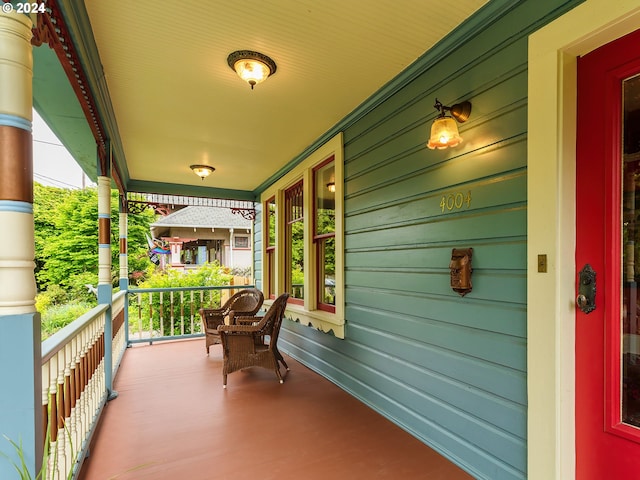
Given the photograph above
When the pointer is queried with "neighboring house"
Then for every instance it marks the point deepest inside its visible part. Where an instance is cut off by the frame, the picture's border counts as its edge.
(196, 235)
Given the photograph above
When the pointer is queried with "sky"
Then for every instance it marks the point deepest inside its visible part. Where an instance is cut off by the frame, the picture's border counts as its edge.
(53, 165)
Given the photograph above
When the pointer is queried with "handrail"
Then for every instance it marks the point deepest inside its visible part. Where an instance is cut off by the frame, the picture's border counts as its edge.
(58, 340)
(55, 342)
(119, 300)
(187, 289)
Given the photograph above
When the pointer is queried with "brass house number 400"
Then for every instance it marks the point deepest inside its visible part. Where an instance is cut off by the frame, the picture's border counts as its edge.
(455, 201)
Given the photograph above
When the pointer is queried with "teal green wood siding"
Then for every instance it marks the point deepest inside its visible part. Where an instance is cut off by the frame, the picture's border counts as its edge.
(451, 370)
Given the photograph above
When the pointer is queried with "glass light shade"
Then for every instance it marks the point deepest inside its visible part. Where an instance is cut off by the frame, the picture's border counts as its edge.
(202, 170)
(252, 67)
(444, 133)
(252, 71)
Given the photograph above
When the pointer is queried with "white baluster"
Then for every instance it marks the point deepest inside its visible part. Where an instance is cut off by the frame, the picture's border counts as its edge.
(45, 404)
(182, 314)
(171, 316)
(161, 314)
(73, 417)
(53, 417)
(61, 443)
(191, 311)
(150, 315)
(83, 387)
(68, 398)
(139, 296)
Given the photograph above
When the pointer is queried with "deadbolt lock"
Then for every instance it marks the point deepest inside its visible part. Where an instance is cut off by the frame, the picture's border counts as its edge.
(586, 299)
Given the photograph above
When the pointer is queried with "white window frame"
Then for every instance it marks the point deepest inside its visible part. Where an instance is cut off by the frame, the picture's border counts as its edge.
(235, 242)
(308, 313)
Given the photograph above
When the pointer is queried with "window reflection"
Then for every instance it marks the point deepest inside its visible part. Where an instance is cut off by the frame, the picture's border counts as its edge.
(324, 234)
(294, 211)
(631, 253)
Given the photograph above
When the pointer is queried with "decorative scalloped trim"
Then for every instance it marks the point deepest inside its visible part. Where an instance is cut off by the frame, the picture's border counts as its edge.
(320, 325)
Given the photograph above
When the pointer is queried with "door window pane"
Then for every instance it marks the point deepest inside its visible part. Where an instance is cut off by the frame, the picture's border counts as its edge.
(630, 253)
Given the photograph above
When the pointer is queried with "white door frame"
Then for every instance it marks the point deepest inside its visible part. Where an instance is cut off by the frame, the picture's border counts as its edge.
(551, 225)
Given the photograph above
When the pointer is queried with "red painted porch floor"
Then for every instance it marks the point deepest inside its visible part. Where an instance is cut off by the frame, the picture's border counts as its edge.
(173, 420)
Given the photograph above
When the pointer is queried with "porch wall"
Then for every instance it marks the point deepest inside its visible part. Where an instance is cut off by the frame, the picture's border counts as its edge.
(449, 369)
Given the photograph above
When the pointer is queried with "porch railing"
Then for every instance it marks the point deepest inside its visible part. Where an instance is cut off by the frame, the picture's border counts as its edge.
(74, 381)
(73, 385)
(157, 314)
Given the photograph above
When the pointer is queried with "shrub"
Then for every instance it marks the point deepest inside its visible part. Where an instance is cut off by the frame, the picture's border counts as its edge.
(81, 286)
(53, 295)
(209, 274)
(58, 316)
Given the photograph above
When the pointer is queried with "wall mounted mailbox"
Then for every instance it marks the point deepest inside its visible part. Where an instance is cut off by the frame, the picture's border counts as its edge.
(460, 267)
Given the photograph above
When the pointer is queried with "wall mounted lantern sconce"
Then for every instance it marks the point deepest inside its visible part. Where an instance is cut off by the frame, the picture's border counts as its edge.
(203, 171)
(252, 67)
(331, 186)
(444, 131)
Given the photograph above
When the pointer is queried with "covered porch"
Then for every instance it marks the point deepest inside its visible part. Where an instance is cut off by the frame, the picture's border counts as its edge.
(172, 419)
(144, 97)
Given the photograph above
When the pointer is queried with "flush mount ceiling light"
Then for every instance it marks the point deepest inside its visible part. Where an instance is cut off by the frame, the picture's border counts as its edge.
(444, 131)
(252, 67)
(202, 171)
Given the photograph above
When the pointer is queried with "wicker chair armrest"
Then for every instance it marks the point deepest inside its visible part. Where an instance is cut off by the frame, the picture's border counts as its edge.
(238, 329)
(212, 318)
(246, 319)
(219, 311)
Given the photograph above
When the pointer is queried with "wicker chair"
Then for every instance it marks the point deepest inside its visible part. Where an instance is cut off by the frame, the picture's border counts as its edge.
(245, 302)
(243, 346)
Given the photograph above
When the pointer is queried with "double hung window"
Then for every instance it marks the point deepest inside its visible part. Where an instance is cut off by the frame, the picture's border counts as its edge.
(324, 233)
(303, 239)
(294, 238)
(270, 249)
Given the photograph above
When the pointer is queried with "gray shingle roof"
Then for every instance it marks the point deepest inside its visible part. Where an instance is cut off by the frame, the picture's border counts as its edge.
(198, 217)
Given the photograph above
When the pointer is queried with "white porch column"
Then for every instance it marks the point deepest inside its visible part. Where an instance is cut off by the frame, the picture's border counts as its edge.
(124, 259)
(231, 265)
(105, 289)
(20, 339)
(104, 234)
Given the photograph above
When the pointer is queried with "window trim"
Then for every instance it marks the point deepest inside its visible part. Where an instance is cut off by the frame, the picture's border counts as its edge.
(308, 313)
(268, 254)
(289, 194)
(318, 239)
(244, 237)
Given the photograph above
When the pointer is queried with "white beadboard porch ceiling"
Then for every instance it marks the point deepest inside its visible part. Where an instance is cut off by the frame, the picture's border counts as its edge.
(177, 102)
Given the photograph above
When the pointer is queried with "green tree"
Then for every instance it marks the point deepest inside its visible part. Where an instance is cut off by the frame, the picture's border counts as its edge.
(66, 224)
(73, 248)
(45, 201)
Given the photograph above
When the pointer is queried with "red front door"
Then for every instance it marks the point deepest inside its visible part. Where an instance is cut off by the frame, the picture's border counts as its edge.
(608, 241)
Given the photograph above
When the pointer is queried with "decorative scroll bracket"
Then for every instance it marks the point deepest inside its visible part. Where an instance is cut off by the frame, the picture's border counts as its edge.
(246, 213)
